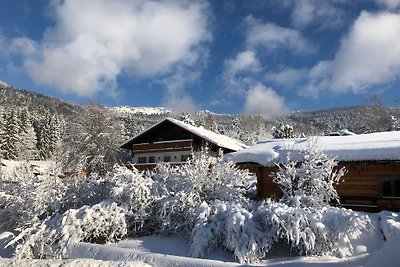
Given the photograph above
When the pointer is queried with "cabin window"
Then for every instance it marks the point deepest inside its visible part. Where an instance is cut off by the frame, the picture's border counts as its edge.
(152, 159)
(167, 158)
(390, 188)
(185, 158)
(142, 160)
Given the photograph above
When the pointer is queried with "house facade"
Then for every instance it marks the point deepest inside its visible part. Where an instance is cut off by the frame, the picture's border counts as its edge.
(174, 141)
(372, 161)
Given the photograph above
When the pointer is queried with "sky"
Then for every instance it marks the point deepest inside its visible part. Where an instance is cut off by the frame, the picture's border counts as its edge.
(264, 57)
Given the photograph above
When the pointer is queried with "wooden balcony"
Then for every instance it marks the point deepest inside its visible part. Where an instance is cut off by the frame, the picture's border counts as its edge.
(179, 145)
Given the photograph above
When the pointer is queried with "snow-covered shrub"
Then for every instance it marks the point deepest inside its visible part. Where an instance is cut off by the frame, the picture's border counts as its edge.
(132, 191)
(179, 190)
(311, 182)
(88, 190)
(251, 231)
(101, 223)
(27, 198)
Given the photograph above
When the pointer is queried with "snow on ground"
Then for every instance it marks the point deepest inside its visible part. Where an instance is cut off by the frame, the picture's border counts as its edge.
(8, 167)
(379, 246)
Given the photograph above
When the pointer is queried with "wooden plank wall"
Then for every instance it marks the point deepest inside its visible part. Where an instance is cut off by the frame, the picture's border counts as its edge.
(360, 190)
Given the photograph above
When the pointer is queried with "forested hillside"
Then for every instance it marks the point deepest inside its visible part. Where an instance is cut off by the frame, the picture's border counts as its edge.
(35, 126)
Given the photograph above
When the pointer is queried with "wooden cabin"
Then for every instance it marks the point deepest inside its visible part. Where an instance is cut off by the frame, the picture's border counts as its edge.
(174, 141)
(372, 161)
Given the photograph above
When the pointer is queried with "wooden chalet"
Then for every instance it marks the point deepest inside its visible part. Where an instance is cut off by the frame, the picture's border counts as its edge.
(174, 141)
(372, 161)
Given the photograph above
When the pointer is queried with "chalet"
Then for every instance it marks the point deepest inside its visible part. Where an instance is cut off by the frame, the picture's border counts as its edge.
(175, 141)
(372, 161)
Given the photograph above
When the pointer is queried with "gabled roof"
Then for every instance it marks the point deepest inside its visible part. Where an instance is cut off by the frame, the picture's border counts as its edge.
(212, 137)
(363, 147)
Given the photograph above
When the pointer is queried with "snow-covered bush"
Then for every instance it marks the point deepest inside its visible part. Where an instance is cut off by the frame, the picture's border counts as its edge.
(302, 219)
(179, 190)
(88, 190)
(102, 223)
(27, 198)
(133, 191)
(251, 231)
(311, 182)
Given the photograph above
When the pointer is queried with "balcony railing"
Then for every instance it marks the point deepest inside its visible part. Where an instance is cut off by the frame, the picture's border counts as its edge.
(178, 145)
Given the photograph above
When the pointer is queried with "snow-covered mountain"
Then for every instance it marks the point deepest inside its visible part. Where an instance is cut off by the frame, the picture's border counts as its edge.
(126, 110)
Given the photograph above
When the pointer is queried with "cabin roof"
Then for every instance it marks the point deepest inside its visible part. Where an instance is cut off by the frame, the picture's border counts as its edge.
(383, 146)
(220, 140)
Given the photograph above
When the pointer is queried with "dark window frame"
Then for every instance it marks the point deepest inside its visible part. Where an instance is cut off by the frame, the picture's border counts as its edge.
(142, 160)
(390, 187)
(167, 158)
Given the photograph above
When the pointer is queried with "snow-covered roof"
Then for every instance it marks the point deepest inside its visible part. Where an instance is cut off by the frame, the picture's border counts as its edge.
(364, 147)
(212, 137)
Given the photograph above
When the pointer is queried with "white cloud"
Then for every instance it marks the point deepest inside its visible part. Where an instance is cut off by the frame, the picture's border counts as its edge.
(244, 61)
(318, 79)
(265, 101)
(325, 14)
(273, 37)
(95, 41)
(288, 77)
(238, 70)
(370, 54)
(389, 4)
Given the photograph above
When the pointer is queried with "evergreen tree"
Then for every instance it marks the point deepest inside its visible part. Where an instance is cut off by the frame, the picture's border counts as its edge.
(26, 146)
(2, 127)
(284, 131)
(49, 136)
(186, 118)
(395, 124)
(11, 135)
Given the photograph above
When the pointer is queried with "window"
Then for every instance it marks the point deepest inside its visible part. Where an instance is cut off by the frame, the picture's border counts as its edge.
(167, 158)
(390, 187)
(142, 160)
(152, 159)
(185, 157)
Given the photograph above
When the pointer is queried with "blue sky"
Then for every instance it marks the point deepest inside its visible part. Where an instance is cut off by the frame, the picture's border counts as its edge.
(260, 57)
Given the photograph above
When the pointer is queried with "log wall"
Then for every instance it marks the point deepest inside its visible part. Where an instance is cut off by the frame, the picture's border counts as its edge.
(360, 190)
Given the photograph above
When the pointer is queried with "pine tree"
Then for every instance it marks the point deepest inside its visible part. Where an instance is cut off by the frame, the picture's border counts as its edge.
(2, 127)
(283, 131)
(26, 146)
(11, 135)
(186, 118)
(49, 136)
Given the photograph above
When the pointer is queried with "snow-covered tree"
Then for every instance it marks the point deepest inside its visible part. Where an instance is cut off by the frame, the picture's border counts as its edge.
(27, 143)
(93, 140)
(310, 180)
(10, 135)
(49, 137)
(186, 118)
(395, 124)
(282, 131)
